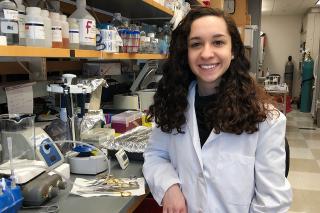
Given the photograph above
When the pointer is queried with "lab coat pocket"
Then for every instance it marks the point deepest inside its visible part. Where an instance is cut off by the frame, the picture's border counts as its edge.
(235, 178)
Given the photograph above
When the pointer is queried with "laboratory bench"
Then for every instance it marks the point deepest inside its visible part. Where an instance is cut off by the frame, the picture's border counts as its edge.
(104, 204)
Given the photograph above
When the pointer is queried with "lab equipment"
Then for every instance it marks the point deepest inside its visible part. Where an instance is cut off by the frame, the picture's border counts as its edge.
(45, 150)
(146, 77)
(41, 189)
(10, 196)
(87, 160)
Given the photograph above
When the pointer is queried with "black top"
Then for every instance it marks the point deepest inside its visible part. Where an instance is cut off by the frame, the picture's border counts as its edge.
(200, 104)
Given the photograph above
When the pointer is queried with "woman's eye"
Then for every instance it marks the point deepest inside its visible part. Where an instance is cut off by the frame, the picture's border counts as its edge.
(195, 44)
(218, 43)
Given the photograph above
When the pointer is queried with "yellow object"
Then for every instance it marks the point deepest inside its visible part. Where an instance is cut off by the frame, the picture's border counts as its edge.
(145, 122)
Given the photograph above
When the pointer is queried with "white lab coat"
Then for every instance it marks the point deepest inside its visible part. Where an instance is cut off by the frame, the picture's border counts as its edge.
(230, 174)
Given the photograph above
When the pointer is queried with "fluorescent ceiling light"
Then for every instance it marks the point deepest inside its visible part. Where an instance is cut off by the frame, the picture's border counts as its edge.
(318, 3)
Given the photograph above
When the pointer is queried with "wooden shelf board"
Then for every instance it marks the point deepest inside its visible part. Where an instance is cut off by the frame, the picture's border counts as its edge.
(159, 6)
(22, 51)
(133, 56)
(115, 56)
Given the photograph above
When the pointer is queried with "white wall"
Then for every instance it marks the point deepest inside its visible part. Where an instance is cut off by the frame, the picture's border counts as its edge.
(283, 39)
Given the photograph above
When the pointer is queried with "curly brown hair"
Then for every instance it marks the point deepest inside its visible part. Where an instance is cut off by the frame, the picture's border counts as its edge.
(240, 104)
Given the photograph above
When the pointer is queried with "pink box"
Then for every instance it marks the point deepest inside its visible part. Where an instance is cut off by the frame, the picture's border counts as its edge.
(125, 121)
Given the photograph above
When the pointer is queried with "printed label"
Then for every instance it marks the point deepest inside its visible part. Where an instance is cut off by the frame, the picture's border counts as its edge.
(87, 32)
(74, 36)
(56, 34)
(10, 27)
(35, 30)
(10, 14)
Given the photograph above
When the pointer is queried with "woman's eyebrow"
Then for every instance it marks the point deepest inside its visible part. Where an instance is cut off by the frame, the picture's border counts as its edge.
(218, 35)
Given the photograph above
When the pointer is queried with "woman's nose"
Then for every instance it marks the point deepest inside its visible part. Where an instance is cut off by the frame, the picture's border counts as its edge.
(207, 51)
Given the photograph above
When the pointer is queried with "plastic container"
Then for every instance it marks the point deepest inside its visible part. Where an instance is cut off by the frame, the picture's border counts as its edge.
(125, 121)
(9, 26)
(73, 33)
(47, 28)
(65, 31)
(87, 26)
(10, 197)
(35, 33)
(56, 30)
(21, 20)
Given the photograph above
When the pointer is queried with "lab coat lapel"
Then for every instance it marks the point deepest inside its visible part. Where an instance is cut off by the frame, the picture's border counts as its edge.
(192, 123)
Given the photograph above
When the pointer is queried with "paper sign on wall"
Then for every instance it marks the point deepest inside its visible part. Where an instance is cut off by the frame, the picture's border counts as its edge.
(20, 98)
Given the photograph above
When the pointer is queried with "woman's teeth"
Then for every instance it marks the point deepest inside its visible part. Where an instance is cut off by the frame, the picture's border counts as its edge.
(211, 66)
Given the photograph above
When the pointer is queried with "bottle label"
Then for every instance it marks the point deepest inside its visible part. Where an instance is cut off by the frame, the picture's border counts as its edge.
(65, 30)
(10, 14)
(22, 32)
(74, 36)
(56, 34)
(10, 27)
(35, 30)
(87, 32)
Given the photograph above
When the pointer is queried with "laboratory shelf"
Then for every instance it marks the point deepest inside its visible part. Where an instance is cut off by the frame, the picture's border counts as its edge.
(158, 6)
(113, 56)
(22, 51)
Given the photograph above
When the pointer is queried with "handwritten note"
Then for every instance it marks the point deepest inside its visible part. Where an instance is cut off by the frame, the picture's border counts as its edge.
(20, 98)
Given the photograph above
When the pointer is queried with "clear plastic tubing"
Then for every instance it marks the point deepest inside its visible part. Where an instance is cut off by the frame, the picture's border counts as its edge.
(56, 30)
(73, 33)
(47, 28)
(34, 26)
(65, 31)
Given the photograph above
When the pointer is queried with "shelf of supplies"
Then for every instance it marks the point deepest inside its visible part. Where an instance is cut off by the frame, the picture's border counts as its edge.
(159, 6)
(114, 56)
(22, 51)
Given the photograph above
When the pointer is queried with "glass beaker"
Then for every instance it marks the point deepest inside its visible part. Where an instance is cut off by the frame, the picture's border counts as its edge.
(19, 130)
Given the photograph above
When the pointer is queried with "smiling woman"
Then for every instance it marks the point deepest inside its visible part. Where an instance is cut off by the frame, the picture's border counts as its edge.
(219, 143)
(209, 52)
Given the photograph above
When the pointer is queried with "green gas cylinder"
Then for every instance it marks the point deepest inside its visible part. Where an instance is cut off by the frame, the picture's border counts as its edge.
(306, 84)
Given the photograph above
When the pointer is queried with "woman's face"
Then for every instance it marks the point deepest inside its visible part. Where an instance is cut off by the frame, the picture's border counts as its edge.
(209, 52)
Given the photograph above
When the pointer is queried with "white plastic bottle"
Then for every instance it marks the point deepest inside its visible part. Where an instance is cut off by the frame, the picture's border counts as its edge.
(9, 26)
(65, 31)
(73, 33)
(47, 28)
(87, 26)
(21, 19)
(56, 30)
(35, 34)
